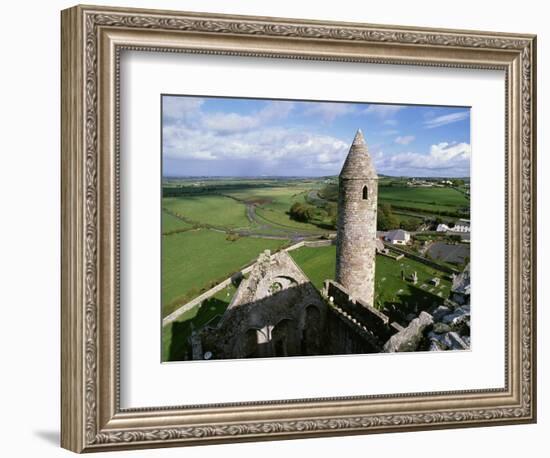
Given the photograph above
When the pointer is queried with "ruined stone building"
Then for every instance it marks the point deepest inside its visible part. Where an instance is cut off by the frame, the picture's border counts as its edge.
(277, 311)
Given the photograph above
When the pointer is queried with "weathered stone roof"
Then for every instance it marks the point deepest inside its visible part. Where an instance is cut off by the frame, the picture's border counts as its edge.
(270, 269)
(358, 164)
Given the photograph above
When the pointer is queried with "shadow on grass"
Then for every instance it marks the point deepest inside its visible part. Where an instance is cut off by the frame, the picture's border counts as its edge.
(416, 301)
(180, 331)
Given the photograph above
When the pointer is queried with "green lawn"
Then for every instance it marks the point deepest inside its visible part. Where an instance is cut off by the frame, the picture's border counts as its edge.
(209, 209)
(318, 264)
(427, 199)
(196, 260)
(275, 202)
(175, 334)
(172, 223)
(279, 218)
(390, 289)
(281, 193)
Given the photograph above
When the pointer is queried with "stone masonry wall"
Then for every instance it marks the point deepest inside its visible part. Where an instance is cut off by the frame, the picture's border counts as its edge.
(356, 239)
(374, 320)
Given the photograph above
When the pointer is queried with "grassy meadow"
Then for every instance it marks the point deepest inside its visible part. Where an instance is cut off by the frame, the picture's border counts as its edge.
(208, 209)
(195, 261)
(423, 199)
(171, 223)
(318, 264)
(175, 335)
(212, 228)
(391, 290)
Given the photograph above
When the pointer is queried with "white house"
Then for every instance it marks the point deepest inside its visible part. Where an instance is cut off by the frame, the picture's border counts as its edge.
(462, 225)
(397, 237)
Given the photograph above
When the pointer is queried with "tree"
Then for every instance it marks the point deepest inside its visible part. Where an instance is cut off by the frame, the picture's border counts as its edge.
(409, 224)
(232, 237)
(386, 220)
(301, 212)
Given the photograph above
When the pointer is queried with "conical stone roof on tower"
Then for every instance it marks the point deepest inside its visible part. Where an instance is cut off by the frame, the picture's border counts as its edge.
(358, 163)
(357, 209)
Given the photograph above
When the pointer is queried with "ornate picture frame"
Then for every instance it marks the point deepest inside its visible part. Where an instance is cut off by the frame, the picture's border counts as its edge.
(92, 41)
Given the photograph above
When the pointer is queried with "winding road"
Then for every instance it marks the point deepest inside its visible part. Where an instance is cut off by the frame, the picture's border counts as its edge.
(264, 229)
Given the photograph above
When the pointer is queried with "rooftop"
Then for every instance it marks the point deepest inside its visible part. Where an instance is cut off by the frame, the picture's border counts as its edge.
(397, 234)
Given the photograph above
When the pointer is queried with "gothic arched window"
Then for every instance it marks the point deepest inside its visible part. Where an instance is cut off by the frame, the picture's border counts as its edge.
(365, 192)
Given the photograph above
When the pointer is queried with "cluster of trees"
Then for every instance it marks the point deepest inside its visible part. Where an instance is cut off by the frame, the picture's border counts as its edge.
(219, 188)
(410, 224)
(387, 220)
(302, 212)
(329, 192)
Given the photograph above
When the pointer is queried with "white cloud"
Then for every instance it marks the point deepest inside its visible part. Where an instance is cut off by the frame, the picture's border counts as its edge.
(450, 152)
(383, 111)
(276, 110)
(180, 107)
(202, 155)
(229, 122)
(283, 150)
(234, 122)
(405, 140)
(443, 159)
(446, 119)
(390, 122)
(329, 111)
(186, 112)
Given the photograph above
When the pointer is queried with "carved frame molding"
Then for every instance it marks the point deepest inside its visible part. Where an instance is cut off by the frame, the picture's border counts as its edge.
(92, 39)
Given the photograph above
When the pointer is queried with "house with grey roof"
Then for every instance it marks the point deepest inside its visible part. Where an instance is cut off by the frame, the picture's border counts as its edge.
(397, 237)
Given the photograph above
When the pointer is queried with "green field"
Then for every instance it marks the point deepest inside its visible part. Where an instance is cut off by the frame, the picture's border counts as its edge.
(390, 289)
(197, 260)
(194, 260)
(393, 295)
(427, 199)
(175, 334)
(278, 218)
(273, 204)
(209, 209)
(284, 193)
(318, 264)
(171, 223)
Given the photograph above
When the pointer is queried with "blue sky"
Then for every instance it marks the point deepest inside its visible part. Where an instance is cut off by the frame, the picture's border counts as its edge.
(206, 136)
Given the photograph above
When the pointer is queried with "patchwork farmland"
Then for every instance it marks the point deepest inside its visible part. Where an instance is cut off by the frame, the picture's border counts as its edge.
(212, 228)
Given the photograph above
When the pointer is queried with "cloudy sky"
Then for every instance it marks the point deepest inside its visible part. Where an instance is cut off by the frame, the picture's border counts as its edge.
(204, 136)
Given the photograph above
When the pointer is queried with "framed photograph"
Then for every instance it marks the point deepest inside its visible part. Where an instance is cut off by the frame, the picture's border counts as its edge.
(279, 228)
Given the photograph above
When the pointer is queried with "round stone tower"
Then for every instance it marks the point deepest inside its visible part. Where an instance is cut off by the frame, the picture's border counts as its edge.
(356, 239)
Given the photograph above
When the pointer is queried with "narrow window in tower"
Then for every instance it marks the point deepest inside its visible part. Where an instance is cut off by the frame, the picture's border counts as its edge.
(365, 192)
